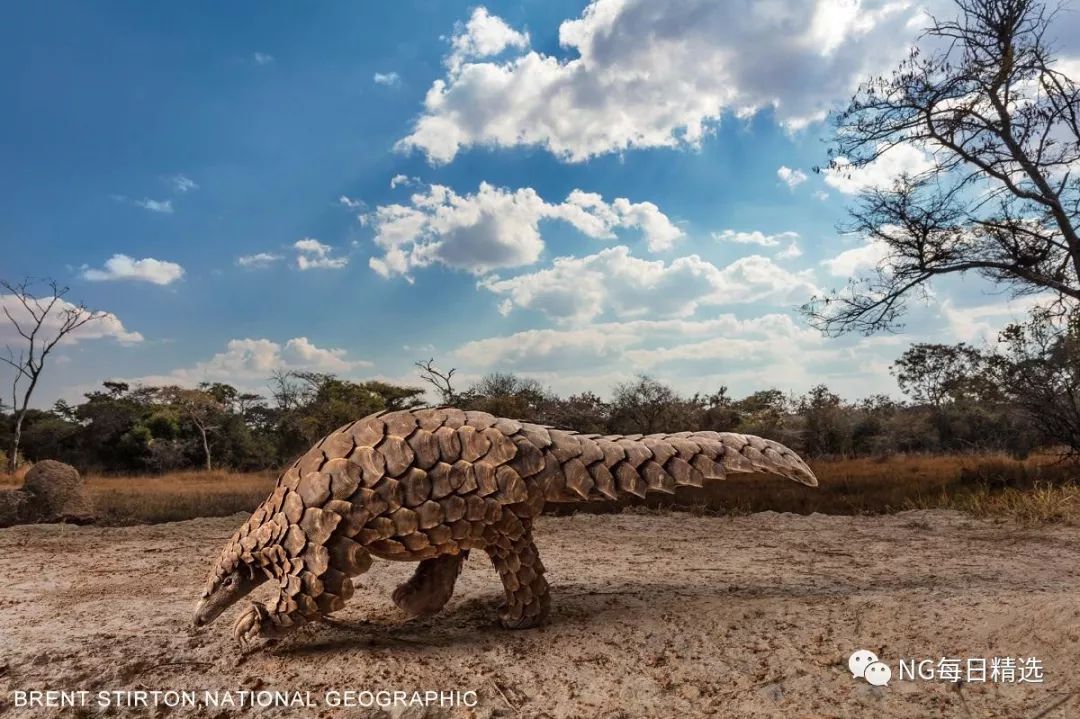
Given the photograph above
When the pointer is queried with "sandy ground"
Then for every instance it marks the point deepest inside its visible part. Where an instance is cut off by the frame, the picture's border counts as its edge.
(654, 615)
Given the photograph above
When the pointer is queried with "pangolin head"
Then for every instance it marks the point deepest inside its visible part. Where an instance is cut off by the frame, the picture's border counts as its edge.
(232, 578)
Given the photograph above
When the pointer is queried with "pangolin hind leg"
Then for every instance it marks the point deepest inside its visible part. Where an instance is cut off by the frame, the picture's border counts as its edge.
(431, 586)
(514, 555)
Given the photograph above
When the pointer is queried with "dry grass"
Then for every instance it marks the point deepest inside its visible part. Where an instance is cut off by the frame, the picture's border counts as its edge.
(1037, 490)
(172, 497)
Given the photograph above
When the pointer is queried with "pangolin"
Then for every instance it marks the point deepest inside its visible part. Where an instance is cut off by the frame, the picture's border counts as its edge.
(427, 486)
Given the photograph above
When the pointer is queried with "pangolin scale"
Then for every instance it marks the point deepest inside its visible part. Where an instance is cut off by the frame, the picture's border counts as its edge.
(428, 485)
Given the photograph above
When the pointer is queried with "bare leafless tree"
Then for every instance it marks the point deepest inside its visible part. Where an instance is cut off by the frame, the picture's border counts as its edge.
(1001, 196)
(41, 323)
(441, 381)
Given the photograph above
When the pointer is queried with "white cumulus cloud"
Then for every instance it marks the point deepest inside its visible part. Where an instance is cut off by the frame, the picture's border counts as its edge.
(755, 237)
(108, 326)
(258, 260)
(580, 289)
(791, 178)
(389, 79)
(857, 260)
(249, 363)
(161, 206)
(314, 255)
(183, 183)
(122, 267)
(484, 35)
(499, 228)
(637, 74)
(882, 172)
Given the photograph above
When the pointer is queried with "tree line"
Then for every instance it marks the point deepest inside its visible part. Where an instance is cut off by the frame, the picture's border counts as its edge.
(1020, 396)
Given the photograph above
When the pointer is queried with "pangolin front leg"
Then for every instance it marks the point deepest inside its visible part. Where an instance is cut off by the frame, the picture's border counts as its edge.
(431, 586)
(514, 555)
(308, 589)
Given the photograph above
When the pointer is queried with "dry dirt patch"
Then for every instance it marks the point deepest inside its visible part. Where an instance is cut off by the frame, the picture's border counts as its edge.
(654, 615)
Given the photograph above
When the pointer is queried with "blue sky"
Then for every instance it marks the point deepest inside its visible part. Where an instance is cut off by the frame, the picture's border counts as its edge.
(583, 191)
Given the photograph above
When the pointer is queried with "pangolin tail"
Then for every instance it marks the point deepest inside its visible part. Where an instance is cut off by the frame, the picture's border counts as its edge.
(592, 467)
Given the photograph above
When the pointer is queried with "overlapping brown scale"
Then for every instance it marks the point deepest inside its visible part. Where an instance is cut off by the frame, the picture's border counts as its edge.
(528, 459)
(439, 475)
(338, 444)
(328, 603)
(311, 462)
(657, 479)
(463, 477)
(455, 417)
(400, 424)
(416, 541)
(613, 452)
(316, 558)
(354, 519)
(564, 445)
(474, 444)
(537, 434)
(368, 432)
(314, 489)
(295, 541)
(273, 502)
(507, 426)
(453, 508)
(429, 514)
(389, 490)
(377, 529)
(264, 535)
(685, 448)
(683, 472)
(710, 446)
(439, 536)
(449, 444)
(502, 449)
(603, 480)
(636, 453)
(430, 419)
(344, 477)
(415, 487)
(348, 556)
(479, 420)
(710, 469)
(425, 447)
(511, 486)
(290, 478)
(590, 450)
(281, 525)
(405, 521)
(372, 464)
(474, 508)
(733, 459)
(629, 480)
(397, 455)
(485, 478)
(318, 524)
(311, 584)
(578, 479)
(661, 450)
(337, 582)
(387, 547)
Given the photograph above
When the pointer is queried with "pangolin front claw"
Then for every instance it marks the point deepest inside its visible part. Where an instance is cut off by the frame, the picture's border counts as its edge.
(249, 625)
